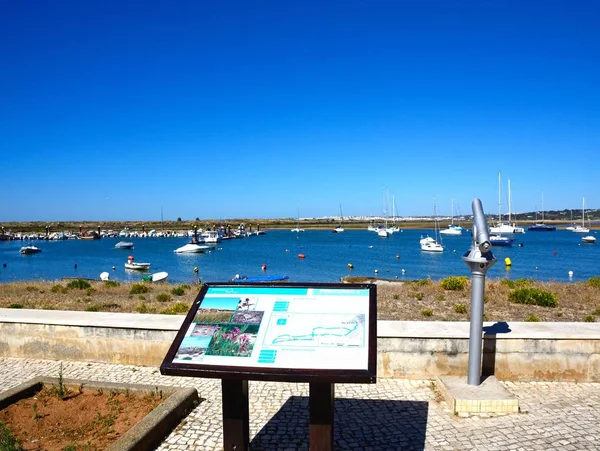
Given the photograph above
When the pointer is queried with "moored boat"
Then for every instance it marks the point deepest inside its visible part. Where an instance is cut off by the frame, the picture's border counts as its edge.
(30, 250)
(124, 245)
(193, 248)
(130, 264)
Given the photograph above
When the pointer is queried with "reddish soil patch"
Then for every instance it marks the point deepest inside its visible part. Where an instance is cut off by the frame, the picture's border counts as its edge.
(84, 419)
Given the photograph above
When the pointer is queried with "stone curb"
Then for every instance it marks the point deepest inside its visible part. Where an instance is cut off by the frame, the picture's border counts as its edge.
(148, 433)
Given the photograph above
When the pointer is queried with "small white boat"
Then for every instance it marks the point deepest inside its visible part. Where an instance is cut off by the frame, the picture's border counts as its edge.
(432, 246)
(382, 233)
(137, 266)
(30, 250)
(156, 277)
(192, 248)
(589, 239)
(124, 245)
(452, 230)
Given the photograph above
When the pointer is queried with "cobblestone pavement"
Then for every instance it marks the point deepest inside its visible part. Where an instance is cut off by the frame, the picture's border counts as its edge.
(394, 414)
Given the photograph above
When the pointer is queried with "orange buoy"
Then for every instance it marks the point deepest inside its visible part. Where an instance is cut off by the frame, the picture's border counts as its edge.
(130, 258)
(301, 255)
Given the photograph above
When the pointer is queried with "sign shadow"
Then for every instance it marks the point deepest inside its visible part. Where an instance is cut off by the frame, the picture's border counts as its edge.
(359, 424)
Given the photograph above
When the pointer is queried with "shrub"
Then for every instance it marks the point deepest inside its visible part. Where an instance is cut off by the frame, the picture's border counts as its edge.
(426, 312)
(143, 308)
(31, 288)
(8, 441)
(589, 318)
(58, 289)
(78, 284)
(517, 283)
(92, 308)
(139, 288)
(141, 297)
(454, 283)
(90, 291)
(532, 319)
(111, 283)
(421, 282)
(594, 282)
(15, 305)
(177, 309)
(460, 308)
(440, 297)
(178, 291)
(185, 286)
(597, 311)
(533, 296)
(163, 297)
(396, 296)
(419, 296)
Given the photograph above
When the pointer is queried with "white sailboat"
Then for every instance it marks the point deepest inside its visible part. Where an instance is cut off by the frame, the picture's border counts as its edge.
(496, 238)
(429, 244)
(297, 228)
(339, 228)
(453, 229)
(508, 228)
(582, 228)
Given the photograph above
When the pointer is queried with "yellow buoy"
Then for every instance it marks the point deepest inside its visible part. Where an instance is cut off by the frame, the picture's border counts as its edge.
(507, 262)
(350, 265)
(195, 269)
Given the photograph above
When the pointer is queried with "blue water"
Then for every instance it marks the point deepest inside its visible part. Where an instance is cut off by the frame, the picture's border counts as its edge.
(544, 256)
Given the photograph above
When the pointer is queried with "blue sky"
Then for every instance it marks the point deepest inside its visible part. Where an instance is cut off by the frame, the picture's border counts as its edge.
(235, 109)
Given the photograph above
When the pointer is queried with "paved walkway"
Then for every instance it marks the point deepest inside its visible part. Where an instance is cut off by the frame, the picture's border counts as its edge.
(393, 414)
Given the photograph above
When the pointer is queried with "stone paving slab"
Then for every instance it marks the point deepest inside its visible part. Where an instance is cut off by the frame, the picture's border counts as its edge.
(394, 414)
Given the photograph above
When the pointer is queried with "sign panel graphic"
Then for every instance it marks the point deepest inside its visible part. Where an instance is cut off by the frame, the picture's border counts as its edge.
(295, 331)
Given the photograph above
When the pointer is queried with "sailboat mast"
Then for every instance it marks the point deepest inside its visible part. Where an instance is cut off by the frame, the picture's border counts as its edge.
(499, 201)
(509, 212)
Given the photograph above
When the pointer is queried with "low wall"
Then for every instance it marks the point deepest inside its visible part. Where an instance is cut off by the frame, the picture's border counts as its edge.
(405, 349)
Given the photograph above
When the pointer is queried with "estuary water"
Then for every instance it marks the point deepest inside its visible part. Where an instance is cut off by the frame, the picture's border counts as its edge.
(544, 256)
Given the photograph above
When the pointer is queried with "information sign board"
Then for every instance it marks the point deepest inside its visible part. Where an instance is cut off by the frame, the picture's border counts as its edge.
(292, 332)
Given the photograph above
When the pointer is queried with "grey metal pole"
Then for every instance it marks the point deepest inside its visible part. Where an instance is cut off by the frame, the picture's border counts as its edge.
(479, 259)
(476, 329)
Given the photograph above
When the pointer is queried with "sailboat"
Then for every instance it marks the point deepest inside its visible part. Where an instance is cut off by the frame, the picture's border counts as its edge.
(339, 228)
(297, 228)
(429, 244)
(453, 229)
(582, 228)
(496, 239)
(507, 228)
(540, 226)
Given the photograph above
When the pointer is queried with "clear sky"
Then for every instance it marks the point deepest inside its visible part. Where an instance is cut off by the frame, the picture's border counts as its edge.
(112, 110)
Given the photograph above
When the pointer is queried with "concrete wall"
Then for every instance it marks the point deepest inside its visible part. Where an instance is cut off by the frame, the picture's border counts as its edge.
(419, 350)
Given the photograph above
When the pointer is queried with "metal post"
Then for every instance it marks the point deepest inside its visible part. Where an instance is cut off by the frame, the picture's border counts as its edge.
(479, 259)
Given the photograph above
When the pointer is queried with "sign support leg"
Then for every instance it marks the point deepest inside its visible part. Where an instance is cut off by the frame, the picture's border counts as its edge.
(236, 415)
(321, 413)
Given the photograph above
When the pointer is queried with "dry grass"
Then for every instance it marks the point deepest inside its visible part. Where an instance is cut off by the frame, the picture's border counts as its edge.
(407, 301)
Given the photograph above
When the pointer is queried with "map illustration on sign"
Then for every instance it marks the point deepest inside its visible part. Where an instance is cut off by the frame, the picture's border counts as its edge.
(316, 330)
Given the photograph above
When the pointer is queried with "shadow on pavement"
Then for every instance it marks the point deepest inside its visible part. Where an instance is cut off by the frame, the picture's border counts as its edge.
(363, 424)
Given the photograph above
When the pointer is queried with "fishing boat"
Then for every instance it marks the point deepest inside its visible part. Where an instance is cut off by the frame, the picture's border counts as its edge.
(124, 245)
(30, 250)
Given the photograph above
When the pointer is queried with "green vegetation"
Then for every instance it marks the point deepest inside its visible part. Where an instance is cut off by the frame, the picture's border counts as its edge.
(92, 308)
(15, 305)
(589, 318)
(139, 288)
(90, 291)
(517, 283)
(78, 284)
(177, 309)
(594, 282)
(31, 288)
(7, 441)
(143, 308)
(533, 296)
(420, 282)
(111, 284)
(532, 319)
(460, 308)
(426, 312)
(178, 291)
(58, 289)
(454, 283)
(163, 297)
